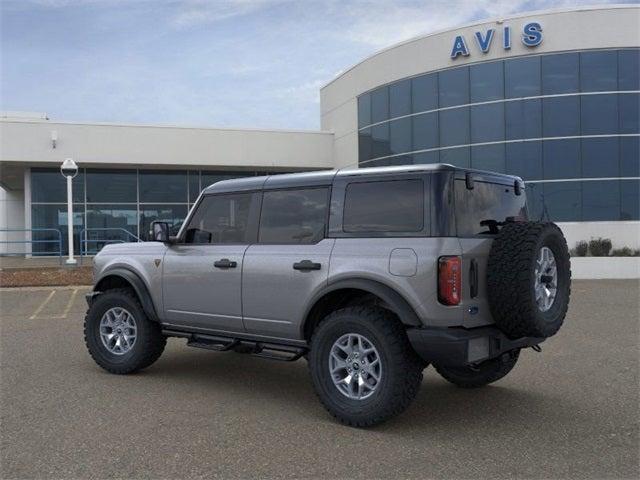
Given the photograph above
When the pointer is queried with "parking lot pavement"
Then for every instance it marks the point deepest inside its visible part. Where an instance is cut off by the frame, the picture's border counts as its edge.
(570, 412)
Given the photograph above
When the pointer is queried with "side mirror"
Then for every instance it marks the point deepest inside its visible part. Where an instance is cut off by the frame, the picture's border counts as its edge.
(160, 232)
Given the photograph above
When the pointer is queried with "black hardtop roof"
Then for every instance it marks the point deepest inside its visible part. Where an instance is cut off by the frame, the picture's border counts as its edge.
(326, 177)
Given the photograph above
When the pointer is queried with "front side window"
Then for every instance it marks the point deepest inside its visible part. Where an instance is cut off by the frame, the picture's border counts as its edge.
(294, 216)
(221, 219)
(384, 206)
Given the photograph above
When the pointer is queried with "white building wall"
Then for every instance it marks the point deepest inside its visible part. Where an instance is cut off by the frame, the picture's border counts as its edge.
(12, 216)
(621, 234)
(29, 141)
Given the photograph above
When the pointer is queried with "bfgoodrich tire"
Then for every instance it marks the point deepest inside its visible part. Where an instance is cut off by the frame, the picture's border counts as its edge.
(362, 366)
(529, 279)
(480, 375)
(119, 336)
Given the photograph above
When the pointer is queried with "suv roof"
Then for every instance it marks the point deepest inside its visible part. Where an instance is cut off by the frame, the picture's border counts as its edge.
(326, 177)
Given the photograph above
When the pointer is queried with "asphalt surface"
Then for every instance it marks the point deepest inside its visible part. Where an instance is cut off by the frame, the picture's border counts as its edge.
(569, 412)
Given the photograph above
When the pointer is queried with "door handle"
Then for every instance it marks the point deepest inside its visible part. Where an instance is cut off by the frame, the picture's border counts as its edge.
(305, 265)
(225, 263)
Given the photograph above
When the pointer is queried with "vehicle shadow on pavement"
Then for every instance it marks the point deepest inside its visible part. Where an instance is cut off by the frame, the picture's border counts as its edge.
(286, 387)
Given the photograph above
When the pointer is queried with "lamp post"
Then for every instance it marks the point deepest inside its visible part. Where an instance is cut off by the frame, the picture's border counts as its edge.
(69, 169)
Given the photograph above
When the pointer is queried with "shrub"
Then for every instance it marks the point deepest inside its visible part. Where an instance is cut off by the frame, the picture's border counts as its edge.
(625, 252)
(581, 249)
(600, 247)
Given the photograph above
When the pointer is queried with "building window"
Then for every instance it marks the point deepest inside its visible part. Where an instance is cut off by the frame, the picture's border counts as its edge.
(380, 105)
(380, 140)
(599, 71)
(600, 201)
(488, 157)
(174, 215)
(163, 186)
(49, 186)
(561, 159)
(629, 69)
(400, 99)
(364, 110)
(453, 87)
(629, 113)
(487, 123)
(424, 93)
(561, 116)
(599, 114)
(454, 127)
(630, 200)
(600, 157)
(400, 135)
(112, 186)
(522, 77)
(560, 73)
(523, 119)
(524, 159)
(459, 157)
(425, 131)
(562, 201)
(487, 81)
(629, 155)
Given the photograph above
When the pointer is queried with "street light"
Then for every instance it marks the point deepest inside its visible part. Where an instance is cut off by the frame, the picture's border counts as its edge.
(69, 169)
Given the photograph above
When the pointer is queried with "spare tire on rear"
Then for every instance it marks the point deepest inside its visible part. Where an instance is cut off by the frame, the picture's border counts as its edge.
(529, 279)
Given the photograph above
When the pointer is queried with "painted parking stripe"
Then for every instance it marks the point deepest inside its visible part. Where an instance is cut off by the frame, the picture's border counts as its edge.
(42, 305)
(69, 305)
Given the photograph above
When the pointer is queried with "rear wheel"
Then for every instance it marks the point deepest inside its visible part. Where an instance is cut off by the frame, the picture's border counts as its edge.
(363, 368)
(480, 375)
(119, 336)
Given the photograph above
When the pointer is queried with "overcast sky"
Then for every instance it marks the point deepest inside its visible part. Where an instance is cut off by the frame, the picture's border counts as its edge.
(226, 63)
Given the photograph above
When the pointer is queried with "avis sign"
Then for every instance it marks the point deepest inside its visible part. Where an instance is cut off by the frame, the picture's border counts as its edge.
(531, 37)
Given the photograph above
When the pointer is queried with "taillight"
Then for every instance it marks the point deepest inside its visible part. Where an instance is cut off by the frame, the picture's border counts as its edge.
(449, 280)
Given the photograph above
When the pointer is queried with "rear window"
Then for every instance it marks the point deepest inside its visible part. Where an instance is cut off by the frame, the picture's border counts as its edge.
(384, 206)
(487, 201)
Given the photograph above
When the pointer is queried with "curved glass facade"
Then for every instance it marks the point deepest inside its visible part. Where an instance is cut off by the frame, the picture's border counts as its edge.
(567, 123)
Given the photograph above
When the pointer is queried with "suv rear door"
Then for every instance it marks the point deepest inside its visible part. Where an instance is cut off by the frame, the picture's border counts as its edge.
(202, 273)
(290, 262)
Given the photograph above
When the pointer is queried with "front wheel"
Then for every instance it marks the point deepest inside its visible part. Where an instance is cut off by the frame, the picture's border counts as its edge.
(363, 368)
(480, 375)
(118, 334)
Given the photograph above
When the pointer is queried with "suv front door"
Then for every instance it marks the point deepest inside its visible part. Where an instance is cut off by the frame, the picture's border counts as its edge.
(290, 262)
(202, 272)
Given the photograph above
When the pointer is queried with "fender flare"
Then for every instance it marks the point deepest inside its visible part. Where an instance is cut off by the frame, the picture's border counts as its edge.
(138, 285)
(397, 303)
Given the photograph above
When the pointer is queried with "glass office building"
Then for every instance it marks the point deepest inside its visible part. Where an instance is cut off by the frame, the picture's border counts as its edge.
(567, 123)
(113, 205)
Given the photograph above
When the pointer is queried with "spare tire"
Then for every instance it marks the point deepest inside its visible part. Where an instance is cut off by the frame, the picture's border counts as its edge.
(529, 279)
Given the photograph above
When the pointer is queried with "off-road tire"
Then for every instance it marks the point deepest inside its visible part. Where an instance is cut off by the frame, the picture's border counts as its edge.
(480, 375)
(149, 343)
(402, 369)
(511, 279)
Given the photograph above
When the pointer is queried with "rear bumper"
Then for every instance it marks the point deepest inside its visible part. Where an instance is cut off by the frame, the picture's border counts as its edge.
(461, 346)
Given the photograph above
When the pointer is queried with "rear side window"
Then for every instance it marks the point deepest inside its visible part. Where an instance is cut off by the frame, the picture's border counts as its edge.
(221, 219)
(294, 216)
(384, 206)
(487, 201)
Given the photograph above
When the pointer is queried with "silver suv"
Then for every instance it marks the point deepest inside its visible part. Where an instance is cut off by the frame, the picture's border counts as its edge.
(370, 274)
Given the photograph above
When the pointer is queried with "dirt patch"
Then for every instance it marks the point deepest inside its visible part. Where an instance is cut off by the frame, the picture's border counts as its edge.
(45, 276)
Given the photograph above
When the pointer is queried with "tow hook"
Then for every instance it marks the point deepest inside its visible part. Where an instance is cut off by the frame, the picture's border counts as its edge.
(536, 348)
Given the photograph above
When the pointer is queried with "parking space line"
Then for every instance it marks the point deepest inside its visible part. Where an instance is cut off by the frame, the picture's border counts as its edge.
(42, 305)
(68, 307)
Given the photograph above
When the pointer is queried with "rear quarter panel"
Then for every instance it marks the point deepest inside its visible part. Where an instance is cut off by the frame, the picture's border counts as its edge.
(370, 258)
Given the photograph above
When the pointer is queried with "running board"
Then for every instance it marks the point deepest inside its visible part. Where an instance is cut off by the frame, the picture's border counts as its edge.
(271, 351)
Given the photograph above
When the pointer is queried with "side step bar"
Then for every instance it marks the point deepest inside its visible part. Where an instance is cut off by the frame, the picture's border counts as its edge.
(272, 351)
